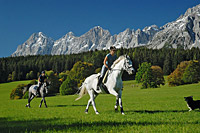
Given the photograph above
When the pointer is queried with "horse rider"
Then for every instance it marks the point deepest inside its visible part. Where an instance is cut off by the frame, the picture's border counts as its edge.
(108, 61)
(41, 80)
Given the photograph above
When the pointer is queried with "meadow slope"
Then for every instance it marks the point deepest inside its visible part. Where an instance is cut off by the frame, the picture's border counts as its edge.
(146, 110)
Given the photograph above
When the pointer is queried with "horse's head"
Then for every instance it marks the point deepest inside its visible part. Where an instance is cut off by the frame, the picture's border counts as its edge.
(128, 65)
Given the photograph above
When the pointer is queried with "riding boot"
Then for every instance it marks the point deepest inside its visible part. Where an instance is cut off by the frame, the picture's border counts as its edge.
(99, 83)
(38, 90)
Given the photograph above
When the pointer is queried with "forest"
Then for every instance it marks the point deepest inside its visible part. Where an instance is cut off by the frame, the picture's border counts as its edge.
(29, 67)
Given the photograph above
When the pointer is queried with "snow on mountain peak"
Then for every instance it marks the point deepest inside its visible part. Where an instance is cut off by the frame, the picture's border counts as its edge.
(193, 10)
(40, 34)
(183, 32)
(95, 38)
(151, 29)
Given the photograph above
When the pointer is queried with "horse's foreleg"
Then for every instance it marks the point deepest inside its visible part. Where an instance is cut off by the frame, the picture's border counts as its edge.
(41, 102)
(117, 103)
(45, 102)
(121, 107)
(113, 92)
(120, 102)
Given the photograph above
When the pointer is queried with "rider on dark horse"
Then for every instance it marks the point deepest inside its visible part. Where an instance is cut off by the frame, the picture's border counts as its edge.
(108, 61)
(41, 81)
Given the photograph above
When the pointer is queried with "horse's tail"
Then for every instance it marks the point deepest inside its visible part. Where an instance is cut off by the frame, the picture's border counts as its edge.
(83, 91)
(26, 88)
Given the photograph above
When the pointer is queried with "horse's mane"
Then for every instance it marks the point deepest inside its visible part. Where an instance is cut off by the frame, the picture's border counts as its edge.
(117, 61)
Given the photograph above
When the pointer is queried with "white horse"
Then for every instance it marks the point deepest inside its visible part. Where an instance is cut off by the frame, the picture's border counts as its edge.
(113, 84)
(33, 91)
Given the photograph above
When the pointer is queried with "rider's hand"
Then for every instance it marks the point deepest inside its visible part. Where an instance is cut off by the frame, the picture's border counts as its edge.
(109, 68)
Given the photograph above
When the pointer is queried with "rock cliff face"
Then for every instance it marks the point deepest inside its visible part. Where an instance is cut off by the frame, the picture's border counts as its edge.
(95, 38)
(184, 33)
(38, 43)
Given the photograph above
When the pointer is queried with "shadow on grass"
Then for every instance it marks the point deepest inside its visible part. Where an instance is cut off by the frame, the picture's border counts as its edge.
(156, 111)
(52, 125)
(73, 105)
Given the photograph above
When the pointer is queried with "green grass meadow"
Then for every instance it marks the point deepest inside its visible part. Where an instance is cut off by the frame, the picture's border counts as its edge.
(146, 110)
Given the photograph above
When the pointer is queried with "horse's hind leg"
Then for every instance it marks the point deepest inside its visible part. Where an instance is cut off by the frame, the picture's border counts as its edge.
(92, 98)
(31, 96)
(28, 104)
(88, 105)
(89, 102)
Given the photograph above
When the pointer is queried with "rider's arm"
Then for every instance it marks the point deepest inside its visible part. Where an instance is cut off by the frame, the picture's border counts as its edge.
(39, 79)
(104, 62)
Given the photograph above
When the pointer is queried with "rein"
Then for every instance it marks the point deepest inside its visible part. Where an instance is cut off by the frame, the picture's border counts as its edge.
(108, 72)
(119, 69)
(116, 70)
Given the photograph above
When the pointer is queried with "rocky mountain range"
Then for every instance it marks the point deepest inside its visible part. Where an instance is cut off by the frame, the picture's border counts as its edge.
(183, 32)
(38, 43)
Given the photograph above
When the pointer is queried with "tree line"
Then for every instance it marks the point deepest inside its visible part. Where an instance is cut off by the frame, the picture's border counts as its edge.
(29, 67)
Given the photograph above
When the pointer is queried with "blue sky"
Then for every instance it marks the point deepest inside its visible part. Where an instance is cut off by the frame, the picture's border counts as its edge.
(19, 19)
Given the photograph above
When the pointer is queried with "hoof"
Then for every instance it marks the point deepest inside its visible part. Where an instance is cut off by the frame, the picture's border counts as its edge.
(116, 108)
(46, 106)
(28, 106)
(39, 106)
(97, 113)
(123, 113)
(86, 111)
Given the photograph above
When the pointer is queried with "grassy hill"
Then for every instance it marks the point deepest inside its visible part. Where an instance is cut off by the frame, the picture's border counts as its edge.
(146, 110)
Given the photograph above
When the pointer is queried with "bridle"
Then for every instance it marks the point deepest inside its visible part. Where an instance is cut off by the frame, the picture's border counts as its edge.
(126, 66)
